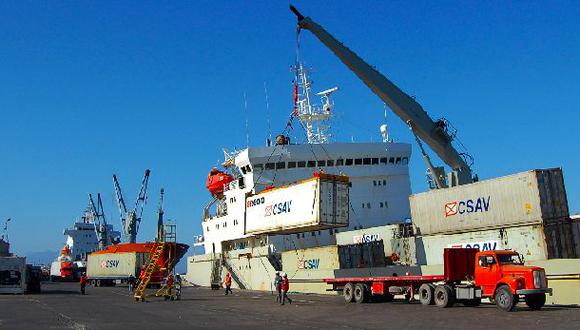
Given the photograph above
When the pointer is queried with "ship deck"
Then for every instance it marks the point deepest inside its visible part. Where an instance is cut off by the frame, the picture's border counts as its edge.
(60, 306)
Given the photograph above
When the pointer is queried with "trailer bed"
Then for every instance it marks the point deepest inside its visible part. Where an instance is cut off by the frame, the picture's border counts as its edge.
(391, 280)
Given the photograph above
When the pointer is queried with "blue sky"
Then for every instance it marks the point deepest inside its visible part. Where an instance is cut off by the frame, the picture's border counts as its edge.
(88, 89)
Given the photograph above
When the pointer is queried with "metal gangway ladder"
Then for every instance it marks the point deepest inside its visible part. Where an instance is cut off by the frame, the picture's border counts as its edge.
(167, 246)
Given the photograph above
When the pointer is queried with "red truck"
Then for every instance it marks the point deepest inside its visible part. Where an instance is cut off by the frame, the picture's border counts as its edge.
(469, 275)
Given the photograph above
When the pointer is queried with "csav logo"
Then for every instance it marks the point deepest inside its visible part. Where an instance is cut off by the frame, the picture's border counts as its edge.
(278, 208)
(482, 246)
(109, 263)
(308, 264)
(366, 238)
(467, 206)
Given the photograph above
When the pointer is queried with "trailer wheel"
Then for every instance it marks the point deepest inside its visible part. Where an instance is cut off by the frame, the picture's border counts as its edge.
(360, 293)
(426, 294)
(348, 292)
(504, 299)
(536, 301)
(444, 296)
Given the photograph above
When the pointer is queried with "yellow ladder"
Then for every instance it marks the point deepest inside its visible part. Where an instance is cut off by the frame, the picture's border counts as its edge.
(168, 292)
(152, 266)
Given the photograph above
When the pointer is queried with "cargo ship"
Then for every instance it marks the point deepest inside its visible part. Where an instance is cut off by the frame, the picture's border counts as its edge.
(81, 239)
(390, 231)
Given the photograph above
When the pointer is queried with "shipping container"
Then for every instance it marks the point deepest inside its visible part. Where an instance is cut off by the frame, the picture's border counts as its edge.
(115, 265)
(363, 255)
(301, 262)
(529, 241)
(13, 275)
(314, 204)
(526, 198)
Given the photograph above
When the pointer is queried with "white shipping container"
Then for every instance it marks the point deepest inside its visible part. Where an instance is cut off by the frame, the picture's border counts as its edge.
(12, 275)
(525, 198)
(528, 240)
(314, 204)
(114, 265)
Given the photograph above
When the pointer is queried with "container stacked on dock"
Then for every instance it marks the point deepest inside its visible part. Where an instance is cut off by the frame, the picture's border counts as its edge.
(527, 212)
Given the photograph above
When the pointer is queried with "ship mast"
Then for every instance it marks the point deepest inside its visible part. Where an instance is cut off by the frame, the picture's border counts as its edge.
(315, 119)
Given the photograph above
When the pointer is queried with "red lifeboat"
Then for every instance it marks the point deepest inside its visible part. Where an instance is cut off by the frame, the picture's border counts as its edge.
(216, 180)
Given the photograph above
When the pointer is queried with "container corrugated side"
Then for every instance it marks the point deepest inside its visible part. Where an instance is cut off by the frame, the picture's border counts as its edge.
(529, 241)
(313, 204)
(114, 265)
(520, 199)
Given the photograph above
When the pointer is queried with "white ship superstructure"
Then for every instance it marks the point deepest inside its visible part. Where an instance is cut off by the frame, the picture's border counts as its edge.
(378, 173)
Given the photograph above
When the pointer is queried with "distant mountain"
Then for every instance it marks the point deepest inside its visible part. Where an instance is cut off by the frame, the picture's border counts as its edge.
(41, 257)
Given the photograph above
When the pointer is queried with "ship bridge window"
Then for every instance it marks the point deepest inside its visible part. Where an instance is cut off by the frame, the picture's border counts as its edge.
(375, 161)
(241, 183)
(348, 162)
(339, 162)
(366, 161)
(321, 163)
(368, 205)
(259, 167)
(358, 161)
(384, 160)
(330, 162)
(384, 182)
(270, 166)
(243, 170)
(301, 164)
(311, 163)
(280, 165)
(291, 164)
(392, 160)
(398, 161)
(381, 204)
(374, 182)
(405, 160)
(248, 169)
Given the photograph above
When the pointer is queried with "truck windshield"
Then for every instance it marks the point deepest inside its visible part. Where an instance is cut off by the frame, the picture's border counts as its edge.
(509, 259)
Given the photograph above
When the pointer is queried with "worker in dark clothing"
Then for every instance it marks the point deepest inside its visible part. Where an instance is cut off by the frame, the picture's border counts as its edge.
(228, 283)
(285, 288)
(278, 286)
(83, 282)
(131, 283)
(178, 287)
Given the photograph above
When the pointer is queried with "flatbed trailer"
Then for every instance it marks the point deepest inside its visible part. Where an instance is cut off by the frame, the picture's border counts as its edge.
(469, 276)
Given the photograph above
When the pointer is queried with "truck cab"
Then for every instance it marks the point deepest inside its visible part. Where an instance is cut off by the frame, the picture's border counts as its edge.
(504, 278)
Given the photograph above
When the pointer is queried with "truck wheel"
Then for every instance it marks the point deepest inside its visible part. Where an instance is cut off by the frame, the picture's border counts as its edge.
(348, 292)
(444, 296)
(504, 299)
(535, 301)
(360, 293)
(98, 283)
(426, 293)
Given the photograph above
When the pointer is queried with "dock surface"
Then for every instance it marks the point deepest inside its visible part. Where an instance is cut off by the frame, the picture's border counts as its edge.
(60, 306)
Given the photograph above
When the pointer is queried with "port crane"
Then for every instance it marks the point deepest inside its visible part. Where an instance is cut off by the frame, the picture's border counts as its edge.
(130, 219)
(438, 134)
(99, 220)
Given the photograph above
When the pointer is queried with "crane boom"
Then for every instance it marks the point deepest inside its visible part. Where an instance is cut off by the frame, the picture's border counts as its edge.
(405, 107)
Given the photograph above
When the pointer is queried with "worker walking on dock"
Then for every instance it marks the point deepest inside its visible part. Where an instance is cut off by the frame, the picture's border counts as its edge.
(228, 283)
(285, 288)
(178, 287)
(131, 283)
(278, 285)
(83, 282)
